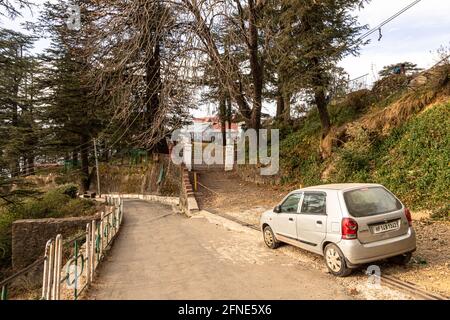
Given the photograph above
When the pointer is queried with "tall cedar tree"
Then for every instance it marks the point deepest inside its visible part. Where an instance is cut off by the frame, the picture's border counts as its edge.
(313, 36)
(73, 117)
(243, 19)
(140, 51)
(410, 68)
(18, 127)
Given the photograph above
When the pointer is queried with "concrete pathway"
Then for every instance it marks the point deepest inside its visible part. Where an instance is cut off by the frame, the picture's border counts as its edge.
(161, 255)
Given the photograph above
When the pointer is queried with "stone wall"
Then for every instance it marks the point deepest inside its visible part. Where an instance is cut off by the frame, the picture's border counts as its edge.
(171, 201)
(252, 173)
(140, 179)
(29, 237)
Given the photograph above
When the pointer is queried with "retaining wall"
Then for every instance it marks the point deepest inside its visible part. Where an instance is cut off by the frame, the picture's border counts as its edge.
(29, 237)
(173, 201)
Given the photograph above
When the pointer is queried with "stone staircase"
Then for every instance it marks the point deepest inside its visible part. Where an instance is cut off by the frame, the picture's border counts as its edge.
(206, 167)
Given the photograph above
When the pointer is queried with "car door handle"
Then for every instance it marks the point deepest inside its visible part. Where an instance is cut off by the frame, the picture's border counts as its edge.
(291, 219)
(319, 222)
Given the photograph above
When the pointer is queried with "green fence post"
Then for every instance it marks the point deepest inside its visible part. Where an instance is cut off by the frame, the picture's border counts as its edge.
(76, 271)
(4, 295)
(98, 239)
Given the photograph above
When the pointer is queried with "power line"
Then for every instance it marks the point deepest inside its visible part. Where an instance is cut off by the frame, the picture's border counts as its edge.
(126, 130)
(382, 24)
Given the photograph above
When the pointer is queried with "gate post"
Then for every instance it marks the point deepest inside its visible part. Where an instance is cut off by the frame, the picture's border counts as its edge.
(187, 154)
(229, 157)
(46, 274)
(56, 292)
(88, 252)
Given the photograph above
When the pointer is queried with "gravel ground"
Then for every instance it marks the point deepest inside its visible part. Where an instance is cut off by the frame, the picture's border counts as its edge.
(429, 268)
(358, 285)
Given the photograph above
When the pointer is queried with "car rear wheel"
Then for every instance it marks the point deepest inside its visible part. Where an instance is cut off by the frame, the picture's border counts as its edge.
(335, 260)
(402, 259)
(269, 238)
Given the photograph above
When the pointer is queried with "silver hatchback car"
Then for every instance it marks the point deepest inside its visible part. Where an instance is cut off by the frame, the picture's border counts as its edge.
(348, 224)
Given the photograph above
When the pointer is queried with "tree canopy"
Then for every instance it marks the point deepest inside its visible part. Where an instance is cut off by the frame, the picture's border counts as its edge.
(131, 73)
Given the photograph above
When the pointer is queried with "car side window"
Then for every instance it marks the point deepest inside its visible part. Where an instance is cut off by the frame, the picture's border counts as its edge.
(290, 205)
(314, 203)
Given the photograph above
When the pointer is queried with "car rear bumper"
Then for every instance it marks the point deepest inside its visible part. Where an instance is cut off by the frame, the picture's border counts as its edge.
(359, 253)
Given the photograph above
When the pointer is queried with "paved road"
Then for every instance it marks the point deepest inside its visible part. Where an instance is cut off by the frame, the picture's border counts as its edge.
(162, 255)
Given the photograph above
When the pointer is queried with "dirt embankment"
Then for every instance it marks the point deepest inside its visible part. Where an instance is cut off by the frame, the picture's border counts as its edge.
(429, 268)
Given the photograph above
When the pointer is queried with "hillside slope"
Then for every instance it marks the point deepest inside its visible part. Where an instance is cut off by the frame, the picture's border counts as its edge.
(400, 139)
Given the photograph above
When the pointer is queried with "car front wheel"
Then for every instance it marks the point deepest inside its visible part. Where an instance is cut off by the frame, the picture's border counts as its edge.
(336, 262)
(269, 238)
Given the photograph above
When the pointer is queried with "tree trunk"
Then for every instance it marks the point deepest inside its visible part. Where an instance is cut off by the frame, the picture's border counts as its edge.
(280, 105)
(256, 66)
(229, 113)
(287, 108)
(15, 161)
(30, 166)
(105, 153)
(255, 121)
(223, 119)
(85, 181)
(161, 146)
(74, 159)
(319, 83)
(223, 66)
(321, 103)
(153, 85)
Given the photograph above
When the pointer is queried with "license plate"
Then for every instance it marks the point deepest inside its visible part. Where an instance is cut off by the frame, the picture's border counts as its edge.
(395, 225)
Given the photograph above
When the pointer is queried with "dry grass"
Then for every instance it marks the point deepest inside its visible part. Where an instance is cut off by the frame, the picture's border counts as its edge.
(416, 99)
(396, 114)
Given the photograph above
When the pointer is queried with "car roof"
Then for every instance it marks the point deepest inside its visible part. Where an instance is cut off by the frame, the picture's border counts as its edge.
(340, 187)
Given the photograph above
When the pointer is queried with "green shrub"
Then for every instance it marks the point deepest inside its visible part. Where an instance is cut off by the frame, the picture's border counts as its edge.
(390, 85)
(6, 220)
(354, 161)
(300, 156)
(70, 189)
(412, 161)
(56, 203)
(78, 207)
(351, 107)
(68, 178)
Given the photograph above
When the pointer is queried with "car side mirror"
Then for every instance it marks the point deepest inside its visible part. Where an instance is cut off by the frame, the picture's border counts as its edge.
(277, 209)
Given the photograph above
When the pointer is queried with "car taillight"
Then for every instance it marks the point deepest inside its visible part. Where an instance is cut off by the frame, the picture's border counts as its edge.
(408, 216)
(349, 229)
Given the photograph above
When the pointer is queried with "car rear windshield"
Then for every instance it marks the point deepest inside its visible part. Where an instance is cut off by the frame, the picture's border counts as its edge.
(370, 202)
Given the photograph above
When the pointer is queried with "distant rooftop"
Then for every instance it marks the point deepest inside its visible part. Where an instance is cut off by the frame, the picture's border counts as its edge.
(214, 122)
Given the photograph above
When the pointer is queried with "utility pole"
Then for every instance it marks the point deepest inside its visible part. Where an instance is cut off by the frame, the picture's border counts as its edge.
(96, 166)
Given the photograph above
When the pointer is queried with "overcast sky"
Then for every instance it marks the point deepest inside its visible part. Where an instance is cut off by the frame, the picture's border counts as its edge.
(414, 36)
